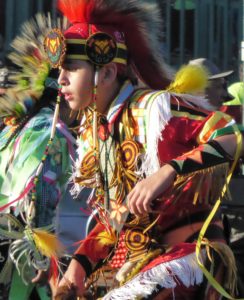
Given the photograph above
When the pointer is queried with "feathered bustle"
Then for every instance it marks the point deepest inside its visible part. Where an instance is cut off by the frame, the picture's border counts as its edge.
(33, 67)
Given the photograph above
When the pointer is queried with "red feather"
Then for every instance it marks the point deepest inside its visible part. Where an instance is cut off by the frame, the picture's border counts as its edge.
(53, 271)
(77, 11)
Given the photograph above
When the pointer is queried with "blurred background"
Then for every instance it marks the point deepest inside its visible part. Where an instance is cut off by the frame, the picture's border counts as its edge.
(192, 28)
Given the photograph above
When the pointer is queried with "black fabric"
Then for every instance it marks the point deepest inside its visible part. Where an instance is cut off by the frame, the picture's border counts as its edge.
(208, 159)
(84, 262)
(79, 49)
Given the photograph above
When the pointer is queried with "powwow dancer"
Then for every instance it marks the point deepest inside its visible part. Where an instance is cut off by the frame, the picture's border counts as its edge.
(34, 164)
(154, 158)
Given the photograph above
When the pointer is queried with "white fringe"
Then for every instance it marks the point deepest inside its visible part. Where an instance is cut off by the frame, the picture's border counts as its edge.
(198, 100)
(158, 117)
(167, 275)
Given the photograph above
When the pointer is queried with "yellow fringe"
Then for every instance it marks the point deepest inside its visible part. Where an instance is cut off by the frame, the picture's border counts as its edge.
(228, 259)
(203, 178)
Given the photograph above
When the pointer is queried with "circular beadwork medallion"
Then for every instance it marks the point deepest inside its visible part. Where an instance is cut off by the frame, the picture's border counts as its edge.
(88, 163)
(130, 151)
(55, 47)
(135, 239)
(101, 48)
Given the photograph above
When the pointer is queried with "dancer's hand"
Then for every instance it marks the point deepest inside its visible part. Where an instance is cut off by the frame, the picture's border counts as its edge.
(41, 277)
(147, 190)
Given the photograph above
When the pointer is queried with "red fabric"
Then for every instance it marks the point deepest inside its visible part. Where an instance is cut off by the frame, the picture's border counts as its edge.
(235, 111)
(84, 30)
(91, 247)
(179, 137)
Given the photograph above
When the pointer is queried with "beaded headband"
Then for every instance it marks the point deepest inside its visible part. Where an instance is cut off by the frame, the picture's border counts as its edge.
(100, 49)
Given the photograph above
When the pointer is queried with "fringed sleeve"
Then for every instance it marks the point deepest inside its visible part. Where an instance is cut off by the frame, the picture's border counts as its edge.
(206, 167)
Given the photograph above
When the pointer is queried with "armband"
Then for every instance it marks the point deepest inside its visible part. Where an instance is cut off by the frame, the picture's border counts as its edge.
(84, 262)
(200, 158)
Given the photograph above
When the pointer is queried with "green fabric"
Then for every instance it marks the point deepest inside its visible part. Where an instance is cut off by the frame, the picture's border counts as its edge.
(20, 291)
(27, 155)
(28, 149)
(236, 90)
(226, 130)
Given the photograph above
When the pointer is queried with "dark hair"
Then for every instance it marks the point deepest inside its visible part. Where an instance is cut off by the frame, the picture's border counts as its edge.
(127, 73)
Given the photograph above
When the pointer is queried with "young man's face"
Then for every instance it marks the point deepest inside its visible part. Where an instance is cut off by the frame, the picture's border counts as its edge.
(76, 79)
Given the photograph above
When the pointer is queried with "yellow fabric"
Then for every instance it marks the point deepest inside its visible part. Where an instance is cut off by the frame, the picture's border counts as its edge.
(216, 121)
(190, 116)
(85, 57)
(84, 41)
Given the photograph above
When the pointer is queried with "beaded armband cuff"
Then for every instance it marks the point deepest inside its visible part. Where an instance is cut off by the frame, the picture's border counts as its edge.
(84, 262)
(202, 157)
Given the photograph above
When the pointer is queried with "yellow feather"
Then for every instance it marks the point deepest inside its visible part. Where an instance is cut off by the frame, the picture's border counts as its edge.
(47, 243)
(189, 79)
(107, 238)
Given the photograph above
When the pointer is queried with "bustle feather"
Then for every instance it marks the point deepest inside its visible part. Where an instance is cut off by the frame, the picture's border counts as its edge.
(33, 68)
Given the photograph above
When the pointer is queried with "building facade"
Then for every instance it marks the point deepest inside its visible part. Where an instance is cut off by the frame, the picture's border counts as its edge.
(203, 28)
(13, 13)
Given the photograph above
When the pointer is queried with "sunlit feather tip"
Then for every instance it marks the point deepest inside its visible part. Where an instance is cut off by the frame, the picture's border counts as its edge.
(77, 11)
(107, 238)
(189, 79)
(47, 243)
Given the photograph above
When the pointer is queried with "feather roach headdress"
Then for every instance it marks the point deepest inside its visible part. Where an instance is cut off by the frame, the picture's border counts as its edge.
(33, 70)
(125, 32)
